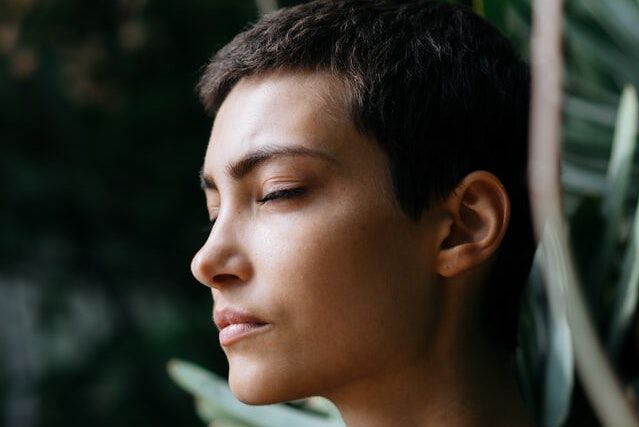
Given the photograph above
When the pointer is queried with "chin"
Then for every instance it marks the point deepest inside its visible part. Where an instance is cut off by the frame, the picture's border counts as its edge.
(257, 385)
(259, 392)
(255, 396)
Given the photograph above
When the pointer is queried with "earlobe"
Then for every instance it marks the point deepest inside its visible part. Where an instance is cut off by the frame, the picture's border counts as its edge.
(479, 212)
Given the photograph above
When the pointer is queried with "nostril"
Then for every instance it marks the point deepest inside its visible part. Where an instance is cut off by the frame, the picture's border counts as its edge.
(224, 278)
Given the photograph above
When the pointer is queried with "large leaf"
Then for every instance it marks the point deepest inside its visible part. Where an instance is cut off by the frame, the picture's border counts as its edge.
(588, 49)
(626, 298)
(558, 374)
(617, 179)
(619, 18)
(594, 112)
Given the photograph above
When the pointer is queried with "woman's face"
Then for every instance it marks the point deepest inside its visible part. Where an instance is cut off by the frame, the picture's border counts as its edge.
(319, 280)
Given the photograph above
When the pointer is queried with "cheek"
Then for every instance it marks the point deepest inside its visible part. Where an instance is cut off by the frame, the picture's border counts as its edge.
(325, 256)
(339, 286)
(342, 277)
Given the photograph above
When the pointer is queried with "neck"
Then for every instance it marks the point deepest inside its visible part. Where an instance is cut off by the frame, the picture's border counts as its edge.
(437, 392)
(456, 382)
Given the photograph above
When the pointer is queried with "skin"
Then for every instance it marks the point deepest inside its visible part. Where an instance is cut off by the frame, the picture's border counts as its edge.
(363, 305)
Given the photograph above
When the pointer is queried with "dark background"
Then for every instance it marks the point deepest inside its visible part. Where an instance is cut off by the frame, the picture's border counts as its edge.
(101, 140)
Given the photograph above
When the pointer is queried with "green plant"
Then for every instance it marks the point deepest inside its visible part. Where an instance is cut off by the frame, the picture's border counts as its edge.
(546, 359)
(599, 183)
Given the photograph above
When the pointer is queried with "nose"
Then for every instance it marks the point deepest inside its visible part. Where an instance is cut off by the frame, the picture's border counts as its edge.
(222, 261)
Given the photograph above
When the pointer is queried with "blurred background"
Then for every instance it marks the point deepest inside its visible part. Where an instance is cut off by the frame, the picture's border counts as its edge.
(101, 140)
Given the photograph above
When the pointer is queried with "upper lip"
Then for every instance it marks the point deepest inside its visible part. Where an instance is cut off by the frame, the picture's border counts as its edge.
(229, 316)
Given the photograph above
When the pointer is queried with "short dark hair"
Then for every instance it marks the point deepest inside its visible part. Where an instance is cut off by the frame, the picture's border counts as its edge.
(439, 88)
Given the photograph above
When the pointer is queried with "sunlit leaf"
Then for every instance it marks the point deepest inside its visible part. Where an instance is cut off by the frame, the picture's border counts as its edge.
(558, 369)
(626, 298)
(559, 378)
(617, 180)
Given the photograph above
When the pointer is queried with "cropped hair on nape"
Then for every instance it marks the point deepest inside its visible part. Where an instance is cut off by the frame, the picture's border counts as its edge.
(440, 90)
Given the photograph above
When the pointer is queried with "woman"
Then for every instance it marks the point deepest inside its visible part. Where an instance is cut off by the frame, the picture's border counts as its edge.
(365, 180)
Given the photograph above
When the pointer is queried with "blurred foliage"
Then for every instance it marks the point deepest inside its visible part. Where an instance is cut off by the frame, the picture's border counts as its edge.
(546, 355)
(101, 139)
(599, 176)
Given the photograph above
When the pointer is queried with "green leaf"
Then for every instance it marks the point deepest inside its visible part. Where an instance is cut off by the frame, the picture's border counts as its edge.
(587, 139)
(617, 180)
(594, 112)
(587, 89)
(619, 18)
(587, 48)
(626, 297)
(623, 148)
(221, 402)
(211, 415)
(581, 180)
(559, 375)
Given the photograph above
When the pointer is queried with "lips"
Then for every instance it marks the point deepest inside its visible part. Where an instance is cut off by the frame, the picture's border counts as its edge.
(235, 325)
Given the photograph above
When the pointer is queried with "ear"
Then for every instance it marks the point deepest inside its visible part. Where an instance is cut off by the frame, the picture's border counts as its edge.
(479, 213)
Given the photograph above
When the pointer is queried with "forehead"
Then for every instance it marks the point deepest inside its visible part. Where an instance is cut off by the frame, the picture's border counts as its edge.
(301, 109)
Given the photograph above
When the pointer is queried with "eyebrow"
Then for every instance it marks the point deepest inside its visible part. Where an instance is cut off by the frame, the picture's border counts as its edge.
(253, 159)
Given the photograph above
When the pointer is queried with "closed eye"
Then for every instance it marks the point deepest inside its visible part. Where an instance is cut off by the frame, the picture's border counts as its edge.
(285, 193)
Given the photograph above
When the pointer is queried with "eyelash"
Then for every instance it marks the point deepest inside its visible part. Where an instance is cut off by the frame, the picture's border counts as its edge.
(285, 193)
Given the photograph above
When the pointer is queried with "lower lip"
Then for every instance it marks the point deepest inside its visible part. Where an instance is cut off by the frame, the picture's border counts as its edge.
(237, 331)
